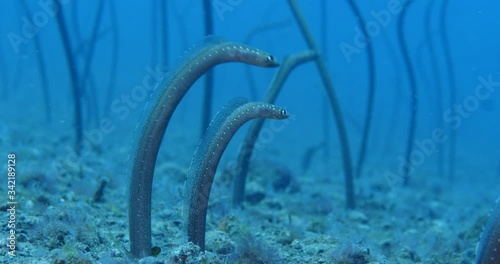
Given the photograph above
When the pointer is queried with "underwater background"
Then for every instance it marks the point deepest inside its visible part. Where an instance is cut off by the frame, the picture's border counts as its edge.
(423, 202)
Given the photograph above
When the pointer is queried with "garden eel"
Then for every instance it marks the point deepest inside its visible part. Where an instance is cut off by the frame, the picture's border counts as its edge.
(488, 248)
(334, 103)
(413, 89)
(154, 120)
(371, 90)
(206, 159)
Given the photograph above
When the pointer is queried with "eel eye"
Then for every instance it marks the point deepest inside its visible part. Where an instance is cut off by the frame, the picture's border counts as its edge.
(283, 112)
(270, 58)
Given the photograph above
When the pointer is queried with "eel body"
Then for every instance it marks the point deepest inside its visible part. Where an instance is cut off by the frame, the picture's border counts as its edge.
(154, 120)
(488, 248)
(206, 159)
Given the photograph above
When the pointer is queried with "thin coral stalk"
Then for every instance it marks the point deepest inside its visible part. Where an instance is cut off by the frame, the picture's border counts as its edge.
(92, 93)
(164, 33)
(154, 31)
(436, 85)
(76, 89)
(332, 97)
(371, 91)
(249, 142)
(452, 84)
(324, 102)
(209, 76)
(41, 69)
(115, 47)
(408, 169)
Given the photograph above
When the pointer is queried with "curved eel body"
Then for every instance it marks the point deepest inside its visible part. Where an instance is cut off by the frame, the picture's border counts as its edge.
(488, 248)
(154, 120)
(207, 157)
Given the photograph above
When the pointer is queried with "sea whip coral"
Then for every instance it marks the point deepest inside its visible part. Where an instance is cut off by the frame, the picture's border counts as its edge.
(334, 103)
(274, 89)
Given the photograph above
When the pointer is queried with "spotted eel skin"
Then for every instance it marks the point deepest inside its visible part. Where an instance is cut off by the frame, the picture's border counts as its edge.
(488, 248)
(206, 159)
(154, 120)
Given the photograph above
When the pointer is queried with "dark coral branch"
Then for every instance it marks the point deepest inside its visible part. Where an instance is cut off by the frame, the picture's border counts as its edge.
(115, 47)
(436, 85)
(76, 89)
(209, 75)
(452, 83)
(334, 103)
(249, 142)
(408, 169)
(371, 91)
(41, 69)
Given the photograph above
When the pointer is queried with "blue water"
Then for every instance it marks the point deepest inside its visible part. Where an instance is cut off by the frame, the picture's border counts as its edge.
(129, 48)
